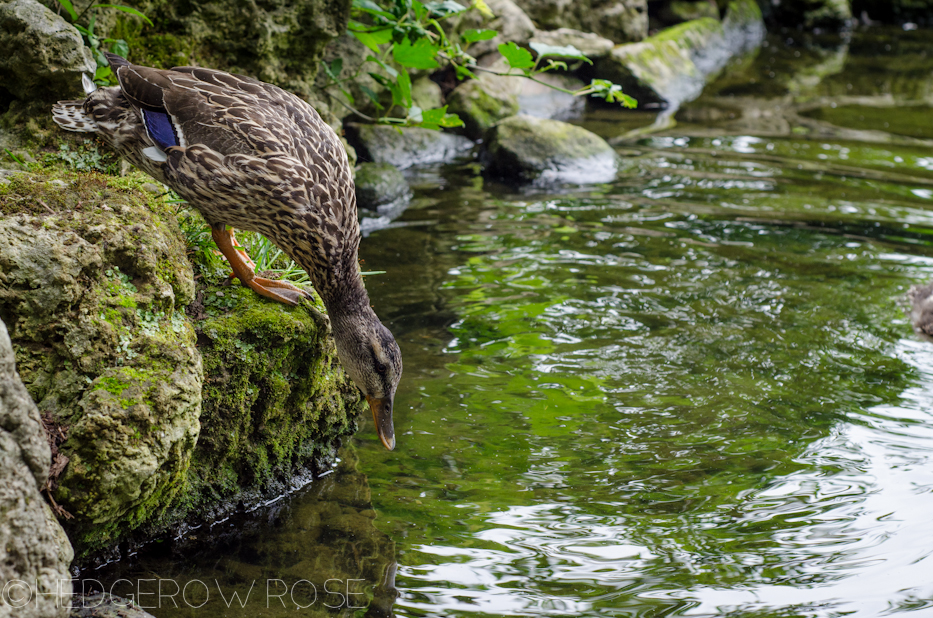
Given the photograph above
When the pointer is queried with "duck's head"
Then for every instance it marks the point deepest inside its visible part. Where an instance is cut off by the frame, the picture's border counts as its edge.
(370, 355)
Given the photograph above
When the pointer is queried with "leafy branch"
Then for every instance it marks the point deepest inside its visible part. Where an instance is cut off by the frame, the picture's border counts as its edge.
(407, 35)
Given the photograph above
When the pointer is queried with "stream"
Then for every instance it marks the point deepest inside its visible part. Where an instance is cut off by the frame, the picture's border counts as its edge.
(693, 391)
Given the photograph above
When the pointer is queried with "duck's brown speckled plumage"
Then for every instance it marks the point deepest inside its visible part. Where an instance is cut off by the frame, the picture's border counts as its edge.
(251, 156)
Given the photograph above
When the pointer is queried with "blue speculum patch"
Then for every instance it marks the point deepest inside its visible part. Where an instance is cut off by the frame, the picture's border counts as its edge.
(160, 128)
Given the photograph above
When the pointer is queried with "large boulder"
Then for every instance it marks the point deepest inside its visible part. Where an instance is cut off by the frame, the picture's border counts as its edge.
(36, 554)
(111, 335)
(94, 289)
(547, 151)
(41, 55)
(277, 41)
(621, 21)
(673, 66)
(413, 146)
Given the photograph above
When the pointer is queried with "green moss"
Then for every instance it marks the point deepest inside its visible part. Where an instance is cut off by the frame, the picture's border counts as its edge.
(271, 376)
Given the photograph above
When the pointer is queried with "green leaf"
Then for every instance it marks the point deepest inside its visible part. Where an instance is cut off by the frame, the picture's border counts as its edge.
(627, 101)
(69, 8)
(438, 117)
(555, 51)
(463, 72)
(605, 89)
(419, 10)
(126, 9)
(419, 55)
(336, 67)
(368, 6)
(102, 75)
(118, 47)
(444, 8)
(372, 96)
(368, 37)
(404, 84)
(472, 36)
(483, 8)
(517, 57)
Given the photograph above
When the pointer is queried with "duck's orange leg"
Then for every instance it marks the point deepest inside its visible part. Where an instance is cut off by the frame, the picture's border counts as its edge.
(244, 270)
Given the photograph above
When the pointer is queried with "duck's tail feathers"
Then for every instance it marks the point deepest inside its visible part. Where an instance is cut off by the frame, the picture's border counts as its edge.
(70, 115)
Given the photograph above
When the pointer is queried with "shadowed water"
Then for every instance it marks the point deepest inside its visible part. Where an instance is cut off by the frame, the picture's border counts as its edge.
(690, 392)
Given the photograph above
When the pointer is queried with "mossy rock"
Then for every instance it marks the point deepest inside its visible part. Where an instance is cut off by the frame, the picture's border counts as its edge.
(673, 66)
(94, 286)
(378, 184)
(278, 41)
(275, 397)
(547, 151)
(483, 102)
(95, 282)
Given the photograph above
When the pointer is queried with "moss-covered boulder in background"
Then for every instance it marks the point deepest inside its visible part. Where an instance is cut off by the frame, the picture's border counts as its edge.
(673, 66)
(378, 184)
(484, 101)
(548, 151)
(412, 146)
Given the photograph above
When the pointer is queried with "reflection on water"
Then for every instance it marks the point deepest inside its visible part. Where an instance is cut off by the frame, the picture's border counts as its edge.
(690, 392)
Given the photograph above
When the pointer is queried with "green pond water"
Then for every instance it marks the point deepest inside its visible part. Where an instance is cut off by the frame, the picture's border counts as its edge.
(690, 392)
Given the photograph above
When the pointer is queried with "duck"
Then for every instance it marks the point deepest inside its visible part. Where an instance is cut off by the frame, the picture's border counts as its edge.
(249, 155)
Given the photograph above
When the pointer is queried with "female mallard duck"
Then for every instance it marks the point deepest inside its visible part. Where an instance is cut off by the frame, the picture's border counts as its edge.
(249, 155)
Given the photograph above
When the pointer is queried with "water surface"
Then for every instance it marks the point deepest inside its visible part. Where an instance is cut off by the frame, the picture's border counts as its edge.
(690, 392)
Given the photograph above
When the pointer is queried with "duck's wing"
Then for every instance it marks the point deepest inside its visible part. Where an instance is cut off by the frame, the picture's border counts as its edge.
(311, 218)
(229, 113)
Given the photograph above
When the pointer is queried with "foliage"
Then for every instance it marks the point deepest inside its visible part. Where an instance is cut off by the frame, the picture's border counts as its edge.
(407, 35)
(103, 76)
(85, 158)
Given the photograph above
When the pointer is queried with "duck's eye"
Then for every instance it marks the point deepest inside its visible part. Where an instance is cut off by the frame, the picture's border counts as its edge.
(380, 367)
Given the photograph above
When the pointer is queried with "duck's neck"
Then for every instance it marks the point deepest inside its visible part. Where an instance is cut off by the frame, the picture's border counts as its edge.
(346, 300)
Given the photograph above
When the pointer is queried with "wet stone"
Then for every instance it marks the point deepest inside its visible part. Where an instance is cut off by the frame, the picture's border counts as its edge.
(413, 146)
(547, 151)
(379, 184)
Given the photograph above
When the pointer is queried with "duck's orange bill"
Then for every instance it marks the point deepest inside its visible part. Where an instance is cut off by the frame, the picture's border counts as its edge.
(382, 415)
